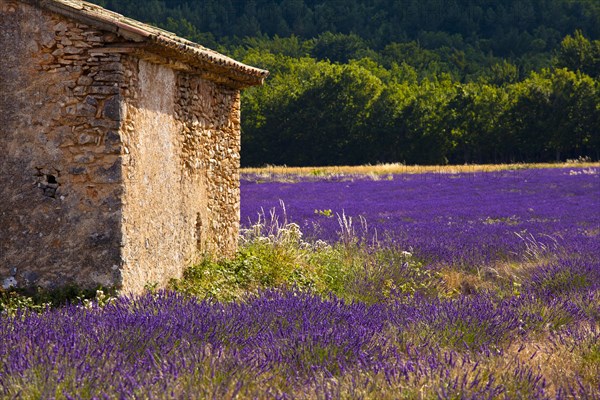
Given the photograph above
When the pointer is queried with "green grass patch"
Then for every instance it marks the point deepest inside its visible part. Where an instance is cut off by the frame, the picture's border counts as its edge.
(281, 258)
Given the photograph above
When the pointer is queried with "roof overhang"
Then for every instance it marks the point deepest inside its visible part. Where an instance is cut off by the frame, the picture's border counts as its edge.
(164, 46)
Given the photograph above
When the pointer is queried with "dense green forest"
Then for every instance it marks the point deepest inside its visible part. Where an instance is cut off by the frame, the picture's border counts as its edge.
(414, 81)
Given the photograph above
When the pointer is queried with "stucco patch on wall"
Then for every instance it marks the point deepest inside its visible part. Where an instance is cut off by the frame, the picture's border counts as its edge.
(152, 214)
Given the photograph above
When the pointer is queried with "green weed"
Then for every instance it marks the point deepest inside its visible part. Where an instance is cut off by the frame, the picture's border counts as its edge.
(274, 254)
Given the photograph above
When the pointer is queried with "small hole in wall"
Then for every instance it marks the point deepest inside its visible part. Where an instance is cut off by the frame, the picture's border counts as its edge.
(48, 183)
(51, 179)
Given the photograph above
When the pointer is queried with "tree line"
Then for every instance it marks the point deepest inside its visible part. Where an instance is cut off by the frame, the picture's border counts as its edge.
(317, 112)
(414, 81)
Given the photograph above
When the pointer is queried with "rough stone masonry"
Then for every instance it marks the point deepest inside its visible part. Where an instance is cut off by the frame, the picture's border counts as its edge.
(119, 148)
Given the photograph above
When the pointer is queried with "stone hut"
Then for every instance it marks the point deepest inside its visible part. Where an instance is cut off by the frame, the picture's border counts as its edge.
(119, 148)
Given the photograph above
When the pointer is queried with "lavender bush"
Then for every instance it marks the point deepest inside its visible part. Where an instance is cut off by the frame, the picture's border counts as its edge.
(433, 286)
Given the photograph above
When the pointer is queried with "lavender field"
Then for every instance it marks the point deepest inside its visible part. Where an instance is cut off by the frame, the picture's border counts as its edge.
(424, 286)
(470, 219)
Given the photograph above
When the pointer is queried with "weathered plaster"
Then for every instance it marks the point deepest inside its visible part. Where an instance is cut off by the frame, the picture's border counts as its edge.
(153, 220)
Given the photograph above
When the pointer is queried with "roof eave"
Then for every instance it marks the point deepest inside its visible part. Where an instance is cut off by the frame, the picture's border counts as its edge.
(236, 74)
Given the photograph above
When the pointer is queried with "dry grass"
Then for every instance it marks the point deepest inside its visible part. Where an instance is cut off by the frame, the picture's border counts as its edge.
(559, 361)
(397, 168)
(456, 282)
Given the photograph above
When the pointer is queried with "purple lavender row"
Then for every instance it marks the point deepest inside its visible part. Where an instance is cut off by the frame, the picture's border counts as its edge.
(469, 218)
(169, 346)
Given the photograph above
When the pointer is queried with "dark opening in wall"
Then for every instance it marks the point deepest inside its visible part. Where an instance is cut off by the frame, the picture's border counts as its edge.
(51, 179)
(47, 182)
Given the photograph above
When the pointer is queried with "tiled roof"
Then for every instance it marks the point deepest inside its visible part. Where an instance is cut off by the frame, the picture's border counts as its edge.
(158, 40)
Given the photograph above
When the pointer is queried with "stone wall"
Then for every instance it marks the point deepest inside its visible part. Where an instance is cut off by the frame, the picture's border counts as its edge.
(116, 170)
(209, 117)
(60, 157)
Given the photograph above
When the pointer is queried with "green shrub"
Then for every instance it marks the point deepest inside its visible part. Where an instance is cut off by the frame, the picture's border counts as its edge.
(276, 255)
